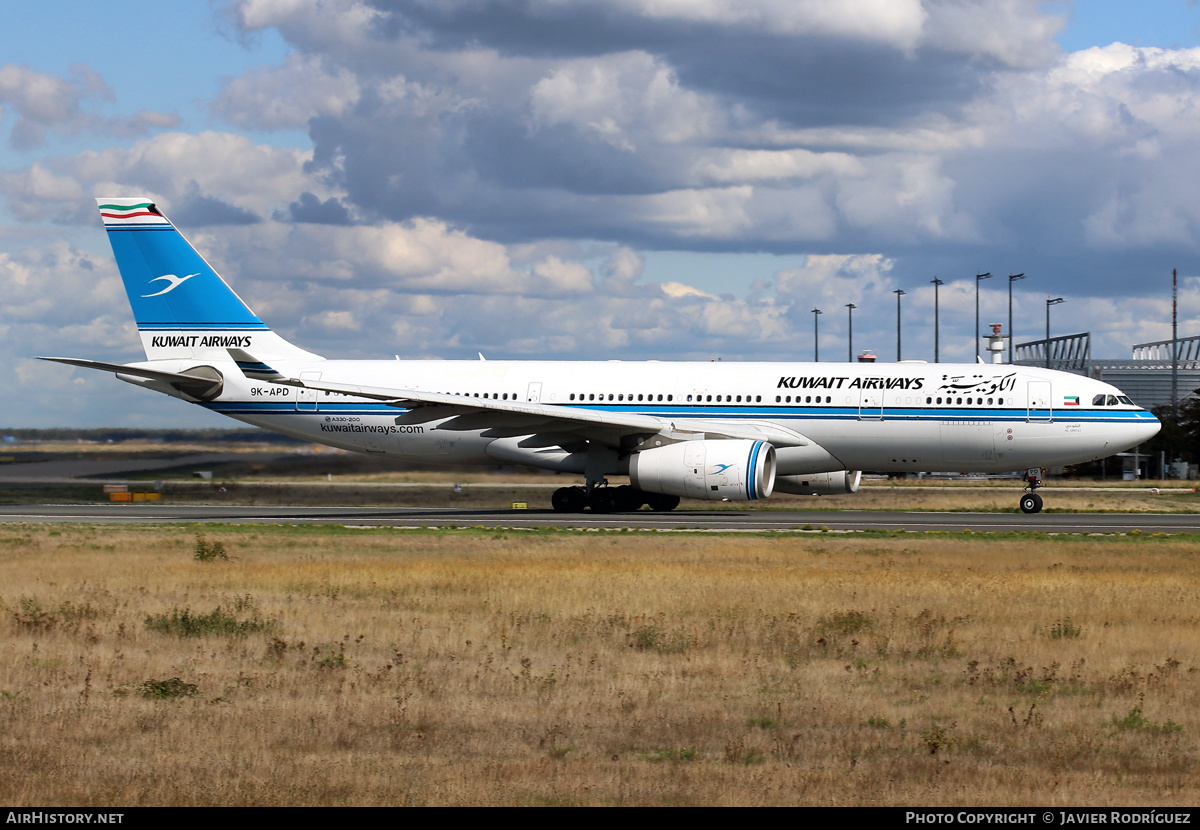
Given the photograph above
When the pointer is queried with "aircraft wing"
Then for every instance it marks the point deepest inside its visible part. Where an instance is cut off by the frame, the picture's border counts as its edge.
(500, 418)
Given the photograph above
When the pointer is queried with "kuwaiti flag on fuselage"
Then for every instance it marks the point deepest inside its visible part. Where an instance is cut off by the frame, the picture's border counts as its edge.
(183, 309)
(1070, 400)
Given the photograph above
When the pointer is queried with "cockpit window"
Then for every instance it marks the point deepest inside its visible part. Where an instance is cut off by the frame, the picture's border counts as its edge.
(1098, 400)
(1112, 400)
(1125, 400)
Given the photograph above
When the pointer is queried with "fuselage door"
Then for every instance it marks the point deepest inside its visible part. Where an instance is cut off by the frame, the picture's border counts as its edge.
(1040, 403)
(306, 401)
(534, 395)
(870, 405)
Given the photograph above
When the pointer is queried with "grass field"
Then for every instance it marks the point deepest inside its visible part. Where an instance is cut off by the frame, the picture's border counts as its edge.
(325, 666)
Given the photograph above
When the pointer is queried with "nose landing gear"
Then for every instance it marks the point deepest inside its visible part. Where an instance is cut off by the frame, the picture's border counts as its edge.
(1031, 502)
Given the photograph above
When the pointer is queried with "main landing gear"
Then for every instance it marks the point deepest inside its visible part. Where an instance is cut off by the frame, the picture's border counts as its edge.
(1031, 502)
(605, 499)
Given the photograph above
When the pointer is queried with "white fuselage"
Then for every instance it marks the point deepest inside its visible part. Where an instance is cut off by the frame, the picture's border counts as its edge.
(896, 417)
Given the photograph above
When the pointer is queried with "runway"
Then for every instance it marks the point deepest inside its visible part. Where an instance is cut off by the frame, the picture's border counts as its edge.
(678, 520)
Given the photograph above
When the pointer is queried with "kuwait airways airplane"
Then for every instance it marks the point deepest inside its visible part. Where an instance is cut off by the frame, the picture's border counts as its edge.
(715, 431)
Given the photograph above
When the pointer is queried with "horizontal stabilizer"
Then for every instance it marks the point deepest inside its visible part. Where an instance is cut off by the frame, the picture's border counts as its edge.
(204, 386)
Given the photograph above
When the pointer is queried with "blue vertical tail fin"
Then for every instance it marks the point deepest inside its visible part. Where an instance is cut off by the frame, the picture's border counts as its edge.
(182, 307)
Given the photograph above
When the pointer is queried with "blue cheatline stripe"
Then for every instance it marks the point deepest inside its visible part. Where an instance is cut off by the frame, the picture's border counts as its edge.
(212, 327)
(930, 413)
(774, 414)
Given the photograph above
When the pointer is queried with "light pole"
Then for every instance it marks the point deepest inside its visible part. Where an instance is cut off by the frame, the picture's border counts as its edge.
(978, 279)
(936, 282)
(816, 335)
(899, 292)
(850, 348)
(1049, 303)
(1011, 279)
(1174, 346)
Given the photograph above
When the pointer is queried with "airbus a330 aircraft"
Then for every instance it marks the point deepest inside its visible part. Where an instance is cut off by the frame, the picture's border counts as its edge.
(715, 431)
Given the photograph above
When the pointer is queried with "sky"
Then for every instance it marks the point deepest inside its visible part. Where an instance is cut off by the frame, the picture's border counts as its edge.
(596, 180)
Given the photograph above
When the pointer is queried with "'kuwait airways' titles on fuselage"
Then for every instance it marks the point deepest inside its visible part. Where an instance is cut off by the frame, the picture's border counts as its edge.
(979, 382)
(844, 382)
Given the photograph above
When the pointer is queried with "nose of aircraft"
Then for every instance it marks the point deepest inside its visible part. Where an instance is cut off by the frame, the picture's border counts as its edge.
(1147, 427)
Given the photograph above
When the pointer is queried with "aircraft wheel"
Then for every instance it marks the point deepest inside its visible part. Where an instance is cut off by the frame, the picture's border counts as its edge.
(1031, 503)
(627, 499)
(660, 503)
(601, 500)
(568, 500)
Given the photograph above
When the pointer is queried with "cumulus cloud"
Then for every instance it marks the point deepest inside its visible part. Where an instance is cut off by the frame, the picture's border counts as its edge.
(619, 97)
(1012, 33)
(287, 96)
(422, 256)
(836, 279)
(311, 209)
(183, 172)
(45, 103)
(58, 285)
(745, 124)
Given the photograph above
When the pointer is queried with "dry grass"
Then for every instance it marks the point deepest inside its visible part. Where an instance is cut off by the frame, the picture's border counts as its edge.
(509, 667)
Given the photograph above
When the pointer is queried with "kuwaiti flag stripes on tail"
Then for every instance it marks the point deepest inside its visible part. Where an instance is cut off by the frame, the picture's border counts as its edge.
(183, 309)
(117, 212)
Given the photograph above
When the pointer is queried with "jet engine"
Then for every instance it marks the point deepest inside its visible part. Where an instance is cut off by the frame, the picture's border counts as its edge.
(716, 470)
(820, 484)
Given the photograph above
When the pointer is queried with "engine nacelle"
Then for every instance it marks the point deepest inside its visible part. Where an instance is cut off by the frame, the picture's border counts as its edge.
(839, 483)
(716, 470)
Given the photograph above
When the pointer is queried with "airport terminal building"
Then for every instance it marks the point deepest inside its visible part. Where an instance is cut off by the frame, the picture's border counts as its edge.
(1148, 377)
